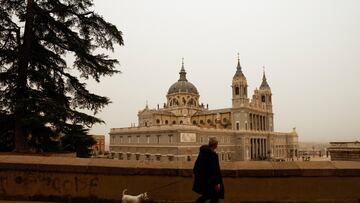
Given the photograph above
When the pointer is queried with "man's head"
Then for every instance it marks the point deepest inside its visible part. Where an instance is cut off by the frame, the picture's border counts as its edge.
(213, 143)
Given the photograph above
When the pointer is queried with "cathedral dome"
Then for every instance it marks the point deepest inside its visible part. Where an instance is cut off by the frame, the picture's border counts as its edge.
(183, 85)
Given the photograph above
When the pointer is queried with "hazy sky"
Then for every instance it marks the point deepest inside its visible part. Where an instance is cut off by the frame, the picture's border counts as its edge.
(311, 51)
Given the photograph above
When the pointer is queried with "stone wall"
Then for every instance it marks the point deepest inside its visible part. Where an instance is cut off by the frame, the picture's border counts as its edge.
(102, 180)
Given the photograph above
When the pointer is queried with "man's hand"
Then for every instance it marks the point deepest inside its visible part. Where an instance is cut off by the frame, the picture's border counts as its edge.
(217, 187)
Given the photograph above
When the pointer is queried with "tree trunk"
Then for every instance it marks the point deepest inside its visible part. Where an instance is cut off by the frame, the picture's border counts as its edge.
(21, 95)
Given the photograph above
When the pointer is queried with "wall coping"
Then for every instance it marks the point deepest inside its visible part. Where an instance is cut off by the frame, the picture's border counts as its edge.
(177, 168)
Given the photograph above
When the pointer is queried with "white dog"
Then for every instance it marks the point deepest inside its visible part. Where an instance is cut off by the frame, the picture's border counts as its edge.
(133, 199)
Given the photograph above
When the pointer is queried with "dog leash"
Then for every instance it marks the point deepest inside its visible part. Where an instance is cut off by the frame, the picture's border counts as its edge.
(172, 183)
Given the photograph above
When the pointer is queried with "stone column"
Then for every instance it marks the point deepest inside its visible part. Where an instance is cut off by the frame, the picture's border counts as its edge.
(264, 123)
(251, 148)
(254, 152)
(252, 122)
(257, 148)
(266, 150)
(255, 122)
(263, 147)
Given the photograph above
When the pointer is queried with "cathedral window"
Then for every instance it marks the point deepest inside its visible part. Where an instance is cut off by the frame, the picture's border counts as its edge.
(174, 122)
(184, 101)
(263, 98)
(237, 91)
(166, 122)
(237, 125)
(209, 121)
(194, 122)
(157, 121)
(201, 122)
(181, 122)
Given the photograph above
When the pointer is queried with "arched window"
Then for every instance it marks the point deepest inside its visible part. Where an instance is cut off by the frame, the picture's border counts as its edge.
(183, 101)
(157, 121)
(174, 122)
(209, 121)
(194, 122)
(166, 122)
(191, 102)
(201, 122)
(181, 122)
(262, 98)
(237, 91)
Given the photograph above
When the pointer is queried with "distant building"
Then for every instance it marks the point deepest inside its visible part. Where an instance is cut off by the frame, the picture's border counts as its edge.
(344, 151)
(99, 147)
(177, 129)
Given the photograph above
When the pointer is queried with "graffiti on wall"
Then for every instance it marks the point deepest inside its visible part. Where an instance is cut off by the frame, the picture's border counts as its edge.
(59, 184)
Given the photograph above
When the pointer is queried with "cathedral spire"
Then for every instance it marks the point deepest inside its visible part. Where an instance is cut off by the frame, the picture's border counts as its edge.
(238, 64)
(239, 72)
(182, 72)
(264, 84)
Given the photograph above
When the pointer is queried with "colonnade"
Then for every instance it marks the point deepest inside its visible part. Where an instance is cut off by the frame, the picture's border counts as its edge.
(258, 149)
(258, 122)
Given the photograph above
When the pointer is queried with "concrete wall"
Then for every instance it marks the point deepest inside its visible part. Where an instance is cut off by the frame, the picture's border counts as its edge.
(101, 180)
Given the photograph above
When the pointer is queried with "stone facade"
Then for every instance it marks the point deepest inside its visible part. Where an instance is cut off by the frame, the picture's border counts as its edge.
(174, 132)
(345, 151)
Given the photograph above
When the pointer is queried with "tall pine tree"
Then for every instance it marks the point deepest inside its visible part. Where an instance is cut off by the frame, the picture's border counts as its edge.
(41, 101)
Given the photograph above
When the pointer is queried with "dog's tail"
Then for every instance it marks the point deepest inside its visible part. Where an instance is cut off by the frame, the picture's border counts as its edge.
(123, 193)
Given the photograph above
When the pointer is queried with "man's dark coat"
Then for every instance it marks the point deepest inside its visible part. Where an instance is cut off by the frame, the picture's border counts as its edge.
(207, 173)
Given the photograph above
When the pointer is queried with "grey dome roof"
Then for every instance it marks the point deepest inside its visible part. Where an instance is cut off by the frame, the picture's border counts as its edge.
(182, 85)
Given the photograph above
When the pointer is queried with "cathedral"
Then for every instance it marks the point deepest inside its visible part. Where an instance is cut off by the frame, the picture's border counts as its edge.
(245, 131)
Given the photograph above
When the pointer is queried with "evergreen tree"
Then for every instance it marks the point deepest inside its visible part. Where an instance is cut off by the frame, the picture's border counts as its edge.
(39, 95)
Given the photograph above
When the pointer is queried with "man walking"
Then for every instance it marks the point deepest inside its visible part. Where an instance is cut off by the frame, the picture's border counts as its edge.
(207, 176)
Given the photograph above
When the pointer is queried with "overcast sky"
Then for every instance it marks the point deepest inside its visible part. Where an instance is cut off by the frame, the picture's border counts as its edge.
(311, 51)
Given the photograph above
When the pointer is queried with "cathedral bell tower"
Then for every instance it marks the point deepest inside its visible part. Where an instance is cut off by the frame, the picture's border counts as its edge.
(239, 88)
(265, 93)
